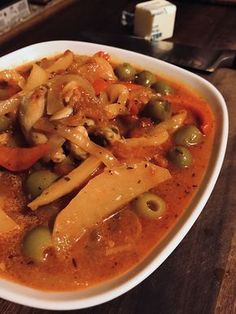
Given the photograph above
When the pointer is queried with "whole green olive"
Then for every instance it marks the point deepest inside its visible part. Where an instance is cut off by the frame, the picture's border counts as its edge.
(35, 242)
(145, 78)
(4, 123)
(38, 181)
(158, 109)
(181, 157)
(163, 88)
(150, 205)
(125, 72)
(188, 136)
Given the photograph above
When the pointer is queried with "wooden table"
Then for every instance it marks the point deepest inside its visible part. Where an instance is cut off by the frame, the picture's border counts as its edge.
(199, 276)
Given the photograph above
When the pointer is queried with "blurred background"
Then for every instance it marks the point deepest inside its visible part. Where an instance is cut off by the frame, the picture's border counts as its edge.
(203, 23)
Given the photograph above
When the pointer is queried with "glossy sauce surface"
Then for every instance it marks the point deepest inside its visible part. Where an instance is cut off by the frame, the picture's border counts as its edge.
(122, 240)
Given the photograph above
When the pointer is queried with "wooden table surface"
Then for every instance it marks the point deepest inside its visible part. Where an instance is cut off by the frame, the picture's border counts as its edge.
(199, 277)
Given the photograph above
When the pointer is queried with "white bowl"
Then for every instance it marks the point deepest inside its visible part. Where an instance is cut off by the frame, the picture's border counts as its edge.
(114, 288)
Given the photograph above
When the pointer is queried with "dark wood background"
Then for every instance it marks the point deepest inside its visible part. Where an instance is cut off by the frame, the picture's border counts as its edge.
(199, 277)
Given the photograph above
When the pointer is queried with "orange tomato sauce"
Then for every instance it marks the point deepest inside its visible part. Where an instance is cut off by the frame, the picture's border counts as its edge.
(121, 241)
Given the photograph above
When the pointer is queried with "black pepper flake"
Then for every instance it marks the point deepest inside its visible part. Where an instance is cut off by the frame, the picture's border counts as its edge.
(67, 179)
(193, 174)
(145, 165)
(129, 167)
(74, 262)
(194, 185)
(139, 181)
(55, 128)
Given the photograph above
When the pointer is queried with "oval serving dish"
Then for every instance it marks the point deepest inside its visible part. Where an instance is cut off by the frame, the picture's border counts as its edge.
(115, 287)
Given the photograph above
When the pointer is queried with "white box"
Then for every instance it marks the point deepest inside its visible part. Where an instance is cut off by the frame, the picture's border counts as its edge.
(154, 20)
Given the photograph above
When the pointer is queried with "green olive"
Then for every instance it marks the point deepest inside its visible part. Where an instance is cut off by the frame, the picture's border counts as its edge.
(38, 181)
(145, 78)
(188, 136)
(125, 72)
(150, 205)
(35, 242)
(162, 88)
(4, 123)
(158, 109)
(181, 157)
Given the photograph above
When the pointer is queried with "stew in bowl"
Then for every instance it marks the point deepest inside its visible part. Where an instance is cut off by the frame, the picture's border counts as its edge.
(107, 158)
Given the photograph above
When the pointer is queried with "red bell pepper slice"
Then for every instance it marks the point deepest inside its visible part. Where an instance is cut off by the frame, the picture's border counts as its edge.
(19, 159)
(100, 85)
